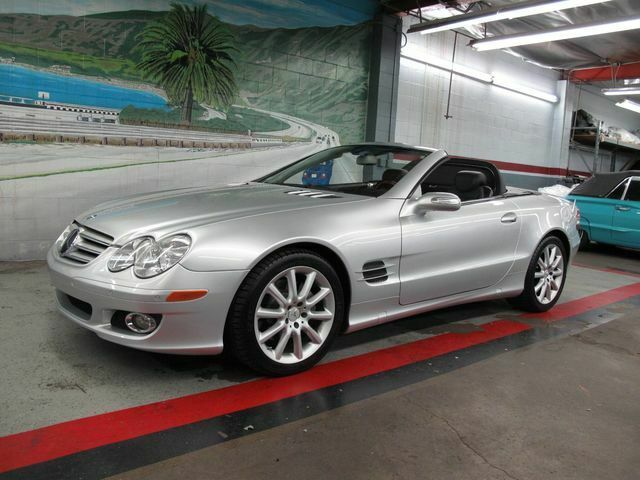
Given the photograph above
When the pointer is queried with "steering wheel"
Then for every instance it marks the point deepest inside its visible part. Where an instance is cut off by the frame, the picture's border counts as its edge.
(384, 185)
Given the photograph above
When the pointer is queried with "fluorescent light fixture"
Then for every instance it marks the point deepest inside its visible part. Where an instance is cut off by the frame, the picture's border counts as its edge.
(474, 74)
(449, 66)
(629, 105)
(518, 10)
(554, 34)
(532, 92)
(621, 91)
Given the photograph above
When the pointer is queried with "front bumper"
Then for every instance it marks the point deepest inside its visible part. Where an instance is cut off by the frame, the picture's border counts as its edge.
(190, 328)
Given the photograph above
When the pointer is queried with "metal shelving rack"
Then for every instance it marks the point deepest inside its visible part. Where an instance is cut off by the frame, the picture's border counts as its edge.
(593, 140)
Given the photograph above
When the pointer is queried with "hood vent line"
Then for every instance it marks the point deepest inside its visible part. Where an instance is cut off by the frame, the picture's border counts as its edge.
(311, 194)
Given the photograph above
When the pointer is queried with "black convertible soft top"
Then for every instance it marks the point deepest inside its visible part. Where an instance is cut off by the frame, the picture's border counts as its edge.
(602, 183)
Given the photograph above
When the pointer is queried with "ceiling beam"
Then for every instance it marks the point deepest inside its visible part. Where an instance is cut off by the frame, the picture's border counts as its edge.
(603, 74)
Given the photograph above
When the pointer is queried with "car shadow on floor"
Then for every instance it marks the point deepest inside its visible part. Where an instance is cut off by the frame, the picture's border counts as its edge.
(447, 320)
(609, 256)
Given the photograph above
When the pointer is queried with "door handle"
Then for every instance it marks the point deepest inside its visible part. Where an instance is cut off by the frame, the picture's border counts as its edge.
(509, 218)
(620, 208)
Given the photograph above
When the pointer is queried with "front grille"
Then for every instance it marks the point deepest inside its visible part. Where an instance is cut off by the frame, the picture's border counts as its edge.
(87, 245)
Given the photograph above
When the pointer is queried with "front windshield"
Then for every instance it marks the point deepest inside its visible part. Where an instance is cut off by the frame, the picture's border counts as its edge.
(357, 169)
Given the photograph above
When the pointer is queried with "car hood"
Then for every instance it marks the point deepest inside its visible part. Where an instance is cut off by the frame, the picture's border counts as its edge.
(167, 212)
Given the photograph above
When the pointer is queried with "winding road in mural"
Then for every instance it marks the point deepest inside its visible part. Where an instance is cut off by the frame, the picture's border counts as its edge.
(20, 161)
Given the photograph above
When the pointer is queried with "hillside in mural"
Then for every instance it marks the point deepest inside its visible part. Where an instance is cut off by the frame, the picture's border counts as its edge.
(319, 74)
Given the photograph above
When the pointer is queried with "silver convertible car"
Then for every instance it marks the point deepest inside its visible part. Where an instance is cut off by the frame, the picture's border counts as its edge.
(273, 269)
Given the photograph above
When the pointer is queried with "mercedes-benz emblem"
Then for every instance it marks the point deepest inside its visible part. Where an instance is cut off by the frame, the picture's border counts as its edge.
(69, 242)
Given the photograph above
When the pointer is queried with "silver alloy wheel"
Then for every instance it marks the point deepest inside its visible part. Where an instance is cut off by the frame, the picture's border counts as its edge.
(294, 314)
(549, 274)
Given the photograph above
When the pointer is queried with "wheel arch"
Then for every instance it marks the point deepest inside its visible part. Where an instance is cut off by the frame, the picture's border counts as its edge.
(322, 250)
(330, 256)
(564, 238)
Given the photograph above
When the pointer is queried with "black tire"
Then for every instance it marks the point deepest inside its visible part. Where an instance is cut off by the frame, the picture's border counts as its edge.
(240, 336)
(528, 300)
(585, 242)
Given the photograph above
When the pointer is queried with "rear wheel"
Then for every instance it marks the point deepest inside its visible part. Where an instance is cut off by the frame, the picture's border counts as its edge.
(545, 277)
(286, 313)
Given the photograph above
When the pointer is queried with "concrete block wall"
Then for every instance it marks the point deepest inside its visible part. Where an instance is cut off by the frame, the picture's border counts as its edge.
(487, 121)
(493, 123)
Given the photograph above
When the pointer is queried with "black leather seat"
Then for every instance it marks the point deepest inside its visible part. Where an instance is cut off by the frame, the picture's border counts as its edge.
(472, 185)
(390, 177)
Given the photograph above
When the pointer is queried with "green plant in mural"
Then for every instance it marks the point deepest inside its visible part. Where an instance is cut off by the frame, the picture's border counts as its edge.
(189, 53)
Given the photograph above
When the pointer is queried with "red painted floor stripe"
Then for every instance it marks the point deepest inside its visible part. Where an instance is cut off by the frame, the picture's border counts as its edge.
(581, 305)
(47, 443)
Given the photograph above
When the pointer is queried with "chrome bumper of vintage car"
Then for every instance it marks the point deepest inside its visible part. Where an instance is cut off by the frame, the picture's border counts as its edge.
(97, 300)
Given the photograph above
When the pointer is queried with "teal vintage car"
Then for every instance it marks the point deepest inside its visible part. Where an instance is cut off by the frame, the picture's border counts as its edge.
(609, 206)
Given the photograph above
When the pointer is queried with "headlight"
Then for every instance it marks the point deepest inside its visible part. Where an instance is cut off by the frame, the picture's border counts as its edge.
(157, 257)
(126, 255)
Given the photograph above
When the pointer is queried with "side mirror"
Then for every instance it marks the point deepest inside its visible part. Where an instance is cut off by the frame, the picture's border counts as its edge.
(438, 201)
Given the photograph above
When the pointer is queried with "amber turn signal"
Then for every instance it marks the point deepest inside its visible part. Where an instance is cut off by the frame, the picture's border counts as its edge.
(186, 295)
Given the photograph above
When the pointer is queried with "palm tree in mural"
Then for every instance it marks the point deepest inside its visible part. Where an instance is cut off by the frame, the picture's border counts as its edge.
(189, 53)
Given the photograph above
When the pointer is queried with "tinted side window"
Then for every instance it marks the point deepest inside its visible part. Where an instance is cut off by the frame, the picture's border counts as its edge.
(633, 193)
(617, 193)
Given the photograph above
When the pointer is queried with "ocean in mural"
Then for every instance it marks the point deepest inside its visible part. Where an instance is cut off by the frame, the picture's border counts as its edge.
(27, 83)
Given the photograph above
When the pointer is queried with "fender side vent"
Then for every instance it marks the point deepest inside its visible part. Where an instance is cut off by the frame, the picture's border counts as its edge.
(375, 272)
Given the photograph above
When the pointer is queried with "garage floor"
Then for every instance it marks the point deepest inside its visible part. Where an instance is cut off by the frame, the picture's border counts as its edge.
(479, 391)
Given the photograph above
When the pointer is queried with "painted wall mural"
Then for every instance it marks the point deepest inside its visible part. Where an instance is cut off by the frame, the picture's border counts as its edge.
(99, 99)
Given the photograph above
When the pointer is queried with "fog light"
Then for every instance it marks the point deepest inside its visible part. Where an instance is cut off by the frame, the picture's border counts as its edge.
(140, 323)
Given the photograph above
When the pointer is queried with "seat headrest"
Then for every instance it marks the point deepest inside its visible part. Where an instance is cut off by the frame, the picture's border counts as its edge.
(467, 180)
(393, 174)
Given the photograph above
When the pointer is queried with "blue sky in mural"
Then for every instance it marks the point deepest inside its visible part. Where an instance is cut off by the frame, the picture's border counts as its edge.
(263, 13)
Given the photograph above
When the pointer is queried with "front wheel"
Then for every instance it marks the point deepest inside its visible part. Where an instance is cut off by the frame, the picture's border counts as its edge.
(286, 313)
(545, 277)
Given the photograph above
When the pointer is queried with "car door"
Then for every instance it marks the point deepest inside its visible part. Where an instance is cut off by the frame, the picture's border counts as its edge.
(626, 217)
(598, 212)
(450, 252)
